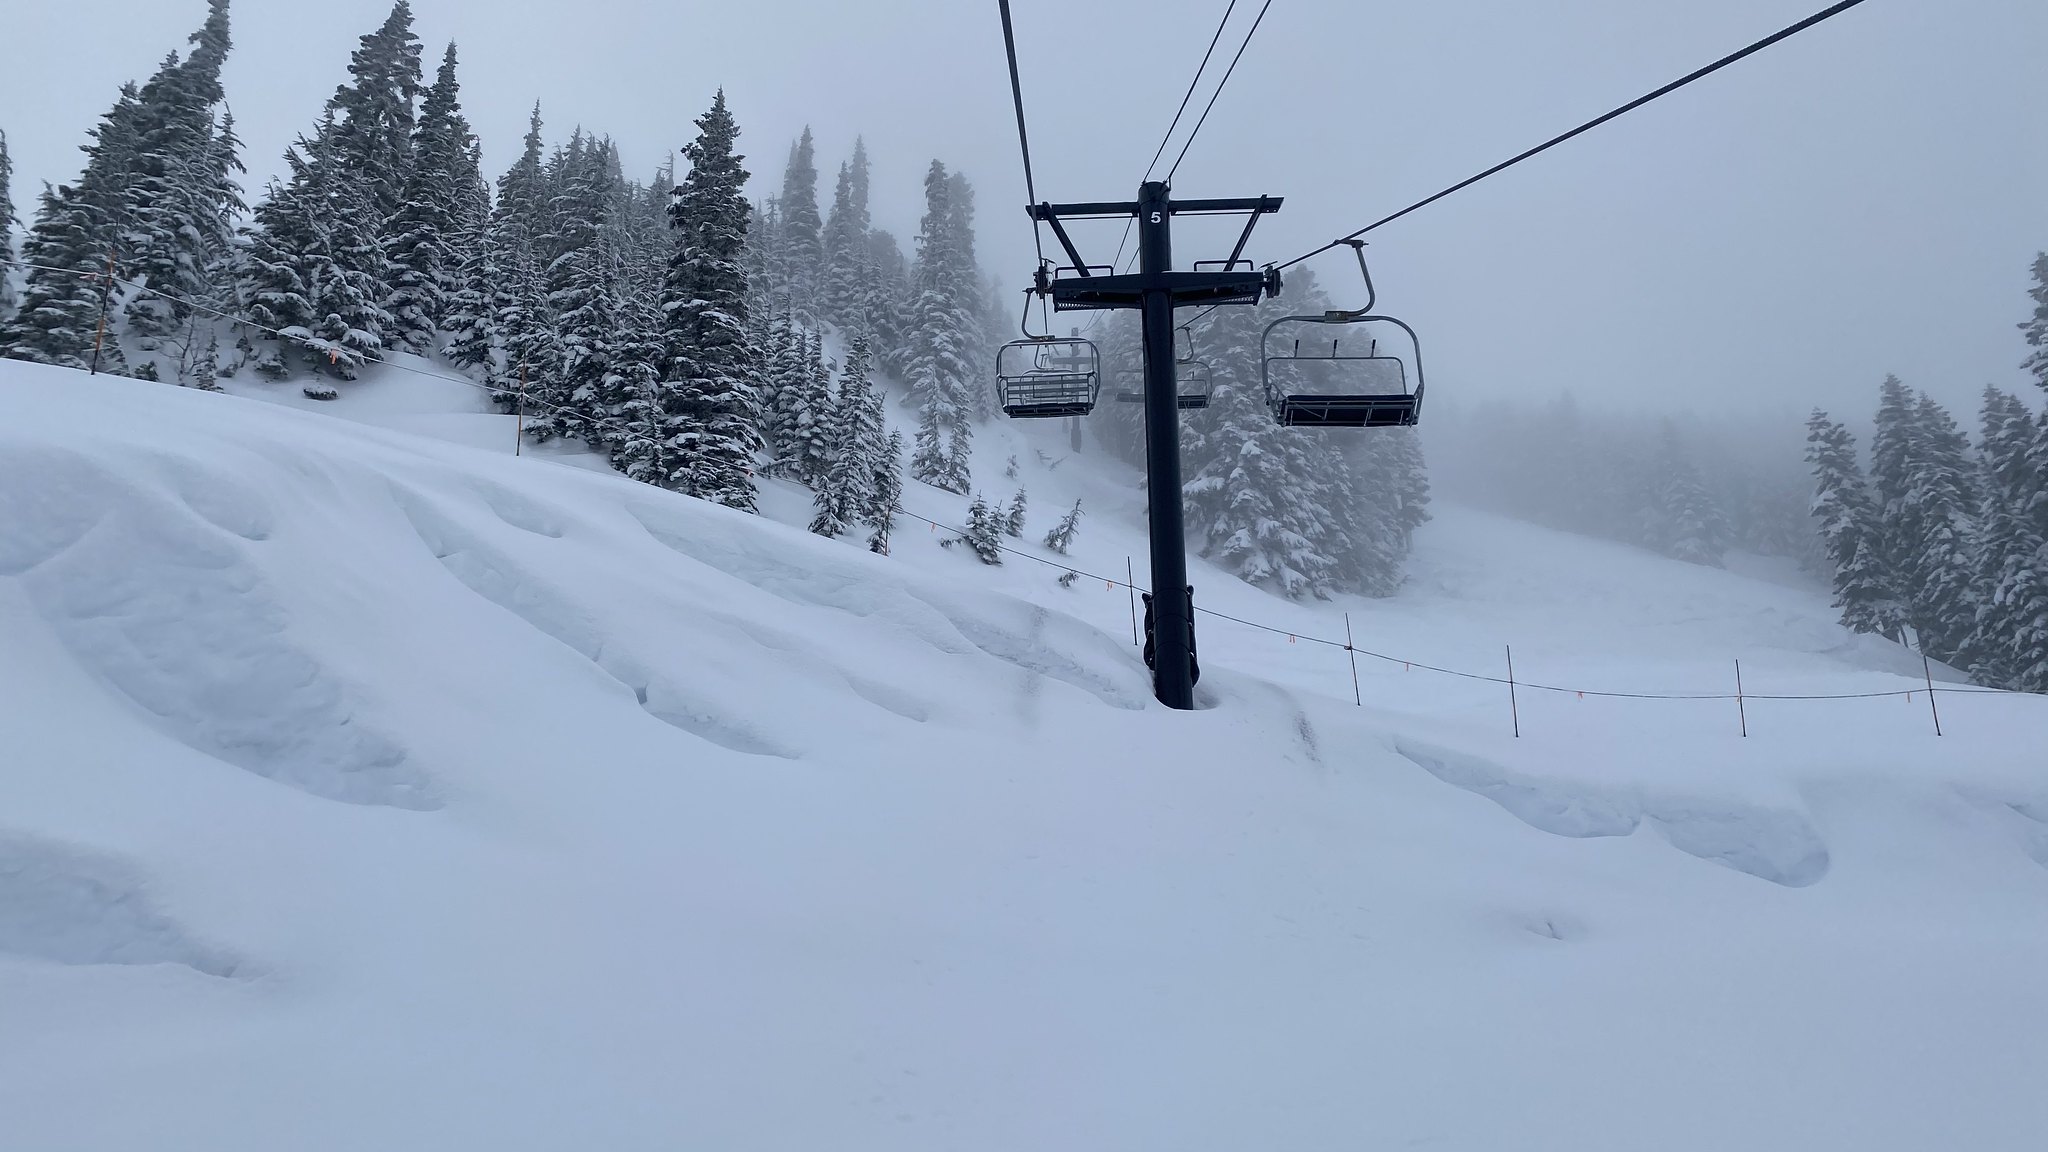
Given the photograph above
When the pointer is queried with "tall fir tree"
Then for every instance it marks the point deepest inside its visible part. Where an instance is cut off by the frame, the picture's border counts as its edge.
(423, 236)
(177, 197)
(848, 262)
(880, 514)
(710, 401)
(76, 234)
(1939, 523)
(8, 223)
(940, 367)
(2036, 326)
(375, 134)
(2012, 595)
(313, 265)
(814, 427)
(860, 441)
(1851, 527)
(802, 231)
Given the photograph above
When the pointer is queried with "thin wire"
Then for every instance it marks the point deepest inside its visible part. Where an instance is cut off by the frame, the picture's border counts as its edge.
(1478, 676)
(1219, 91)
(1192, 85)
(1023, 137)
(1638, 102)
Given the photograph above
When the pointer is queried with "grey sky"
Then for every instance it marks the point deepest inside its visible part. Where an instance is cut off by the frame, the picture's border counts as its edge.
(1864, 198)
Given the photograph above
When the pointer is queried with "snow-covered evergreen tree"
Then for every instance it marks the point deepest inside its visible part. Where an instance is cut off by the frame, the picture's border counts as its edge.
(313, 266)
(710, 402)
(1846, 513)
(985, 531)
(176, 193)
(8, 223)
(1684, 522)
(2036, 326)
(842, 292)
(1938, 518)
(1013, 520)
(422, 238)
(814, 422)
(374, 135)
(2012, 594)
(859, 443)
(1062, 535)
(802, 231)
(940, 369)
(880, 514)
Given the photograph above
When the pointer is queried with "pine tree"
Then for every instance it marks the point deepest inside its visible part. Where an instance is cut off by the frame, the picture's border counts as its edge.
(2012, 594)
(75, 233)
(985, 531)
(940, 369)
(1846, 513)
(801, 232)
(313, 265)
(710, 400)
(784, 377)
(8, 223)
(880, 514)
(1013, 520)
(848, 262)
(176, 192)
(1684, 521)
(1939, 520)
(815, 426)
(422, 236)
(859, 443)
(1061, 537)
(58, 314)
(375, 134)
(206, 365)
(2036, 326)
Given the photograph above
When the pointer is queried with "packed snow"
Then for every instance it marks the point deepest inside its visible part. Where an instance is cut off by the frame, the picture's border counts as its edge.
(368, 786)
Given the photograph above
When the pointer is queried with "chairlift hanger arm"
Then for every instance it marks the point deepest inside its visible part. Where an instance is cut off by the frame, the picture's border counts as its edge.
(1250, 223)
(1045, 212)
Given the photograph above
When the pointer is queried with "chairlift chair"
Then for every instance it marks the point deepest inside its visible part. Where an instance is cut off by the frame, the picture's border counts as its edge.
(1314, 380)
(1041, 377)
(1194, 382)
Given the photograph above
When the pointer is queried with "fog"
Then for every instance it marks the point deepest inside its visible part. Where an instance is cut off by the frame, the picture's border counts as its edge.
(1864, 198)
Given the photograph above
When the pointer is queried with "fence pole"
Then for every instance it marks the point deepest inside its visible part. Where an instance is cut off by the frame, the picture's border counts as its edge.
(1514, 707)
(1741, 713)
(519, 420)
(1131, 584)
(1928, 672)
(1356, 697)
(100, 335)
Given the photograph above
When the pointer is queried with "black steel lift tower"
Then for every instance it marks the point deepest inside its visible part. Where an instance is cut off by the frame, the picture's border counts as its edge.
(1155, 290)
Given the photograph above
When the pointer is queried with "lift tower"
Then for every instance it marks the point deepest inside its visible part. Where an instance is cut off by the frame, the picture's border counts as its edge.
(1155, 290)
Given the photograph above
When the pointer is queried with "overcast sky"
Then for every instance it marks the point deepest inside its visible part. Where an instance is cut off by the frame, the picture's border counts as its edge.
(1863, 198)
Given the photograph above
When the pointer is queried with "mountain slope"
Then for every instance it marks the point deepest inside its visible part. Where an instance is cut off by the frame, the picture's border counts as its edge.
(363, 790)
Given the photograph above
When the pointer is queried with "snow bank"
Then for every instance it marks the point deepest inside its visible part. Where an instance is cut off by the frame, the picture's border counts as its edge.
(367, 791)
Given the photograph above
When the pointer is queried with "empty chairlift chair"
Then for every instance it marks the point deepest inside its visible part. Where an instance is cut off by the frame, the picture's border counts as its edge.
(1332, 371)
(1048, 376)
(1192, 378)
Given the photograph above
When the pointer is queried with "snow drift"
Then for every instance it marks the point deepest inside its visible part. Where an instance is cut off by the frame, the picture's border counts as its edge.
(360, 790)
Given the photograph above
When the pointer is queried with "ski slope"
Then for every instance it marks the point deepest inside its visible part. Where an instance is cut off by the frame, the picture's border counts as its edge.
(363, 785)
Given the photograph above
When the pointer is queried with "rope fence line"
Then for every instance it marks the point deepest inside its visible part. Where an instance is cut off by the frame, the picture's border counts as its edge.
(1481, 677)
(1111, 582)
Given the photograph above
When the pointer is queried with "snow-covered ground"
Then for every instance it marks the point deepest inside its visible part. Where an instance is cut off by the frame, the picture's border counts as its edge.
(363, 786)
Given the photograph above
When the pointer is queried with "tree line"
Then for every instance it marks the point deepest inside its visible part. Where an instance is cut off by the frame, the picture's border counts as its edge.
(1938, 542)
(699, 340)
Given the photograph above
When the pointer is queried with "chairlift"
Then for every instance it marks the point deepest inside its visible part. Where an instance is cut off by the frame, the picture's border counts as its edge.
(1313, 379)
(1193, 381)
(1047, 376)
